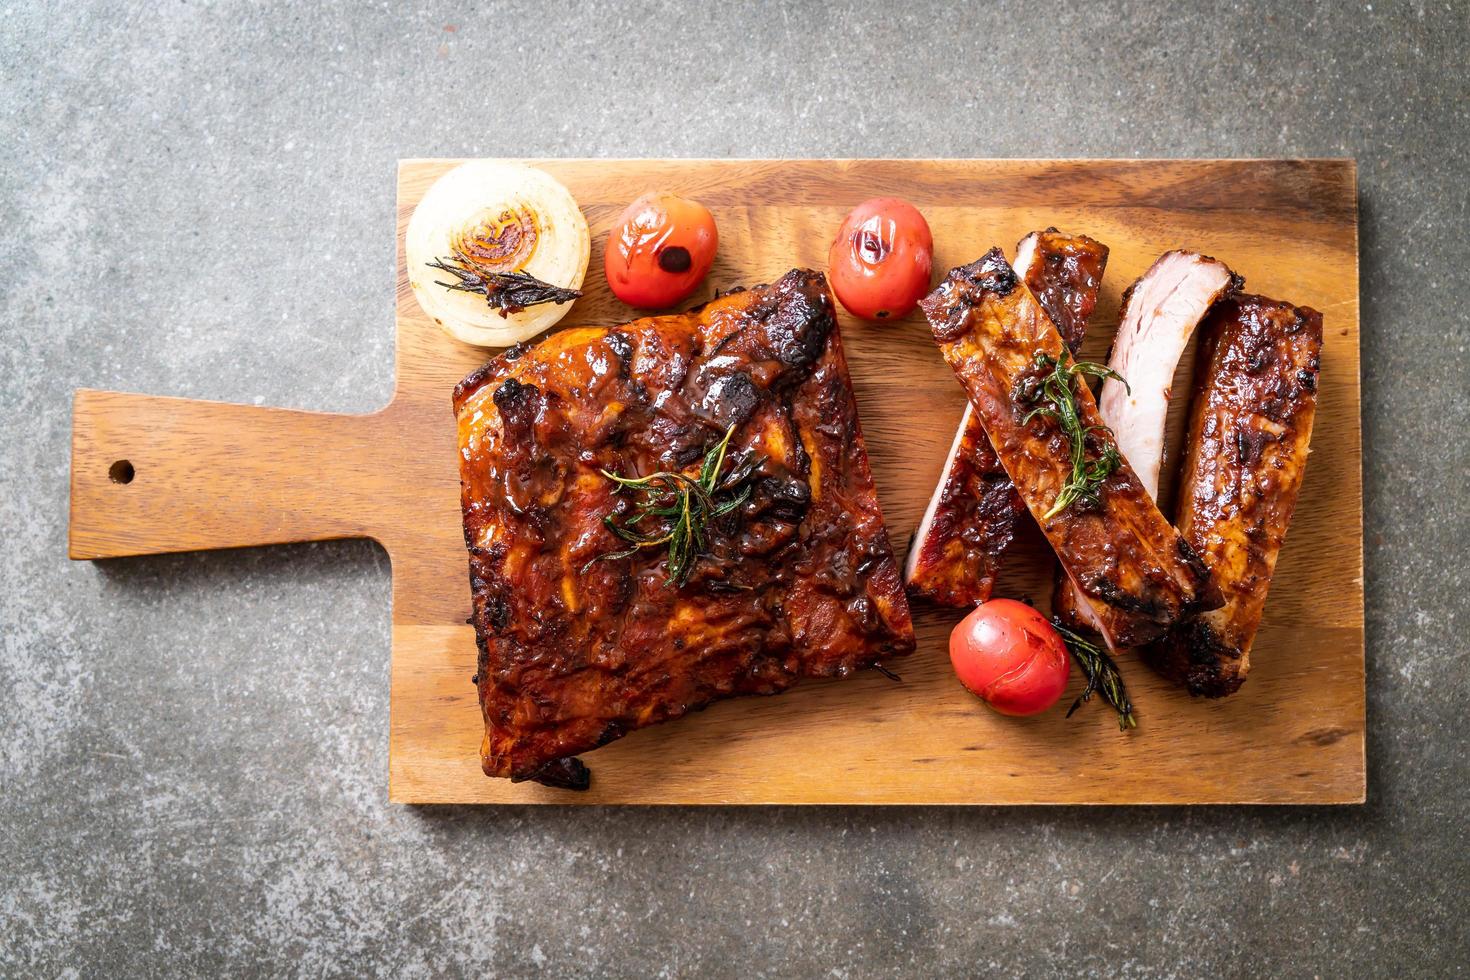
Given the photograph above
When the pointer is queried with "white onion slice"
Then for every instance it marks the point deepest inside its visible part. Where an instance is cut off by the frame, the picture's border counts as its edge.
(510, 218)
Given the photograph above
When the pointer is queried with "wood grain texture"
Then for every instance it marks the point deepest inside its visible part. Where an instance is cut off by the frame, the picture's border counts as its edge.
(1294, 734)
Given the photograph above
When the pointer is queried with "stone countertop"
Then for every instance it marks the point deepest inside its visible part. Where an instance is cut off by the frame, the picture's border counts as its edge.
(197, 199)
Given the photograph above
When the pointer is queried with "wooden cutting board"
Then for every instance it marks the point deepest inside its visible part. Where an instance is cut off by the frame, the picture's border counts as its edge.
(207, 475)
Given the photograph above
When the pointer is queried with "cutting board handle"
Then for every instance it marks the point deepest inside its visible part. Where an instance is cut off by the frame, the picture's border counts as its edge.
(152, 475)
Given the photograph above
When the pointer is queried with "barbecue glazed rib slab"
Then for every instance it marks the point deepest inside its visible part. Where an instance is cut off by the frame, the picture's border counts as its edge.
(1249, 430)
(800, 581)
(1160, 313)
(1122, 552)
(955, 556)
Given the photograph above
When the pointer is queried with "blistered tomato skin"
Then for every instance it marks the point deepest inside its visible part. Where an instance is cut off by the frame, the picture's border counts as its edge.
(660, 250)
(881, 260)
(1009, 656)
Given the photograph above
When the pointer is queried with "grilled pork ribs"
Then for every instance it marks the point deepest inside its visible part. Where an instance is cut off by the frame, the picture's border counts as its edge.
(579, 646)
(1117, 547)
(1249, 428)
(1160, 313)
(955, 555)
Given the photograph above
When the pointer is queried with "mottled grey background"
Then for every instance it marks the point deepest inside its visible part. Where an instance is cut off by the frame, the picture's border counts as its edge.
(197, 199)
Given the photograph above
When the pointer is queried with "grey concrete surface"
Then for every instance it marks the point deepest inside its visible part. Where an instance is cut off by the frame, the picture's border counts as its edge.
(197, 199)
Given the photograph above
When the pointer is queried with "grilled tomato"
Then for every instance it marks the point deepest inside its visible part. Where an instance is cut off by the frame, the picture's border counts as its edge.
(881, 259)
(1010, 657)
(660, 250)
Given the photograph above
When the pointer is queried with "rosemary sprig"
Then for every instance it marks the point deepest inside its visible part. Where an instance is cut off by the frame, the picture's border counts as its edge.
(1102, 677)
(504, 292)
(1057, 400)
(683, 506)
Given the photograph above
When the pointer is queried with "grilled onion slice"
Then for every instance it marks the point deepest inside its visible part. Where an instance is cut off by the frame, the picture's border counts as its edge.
(496, 252)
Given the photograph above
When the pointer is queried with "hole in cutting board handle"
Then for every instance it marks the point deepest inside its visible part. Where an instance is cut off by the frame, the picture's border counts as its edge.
(121, 472)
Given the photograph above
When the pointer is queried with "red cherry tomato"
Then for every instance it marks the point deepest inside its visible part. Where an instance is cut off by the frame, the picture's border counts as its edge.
(881, 259)
(660, 250)
(1008, 655)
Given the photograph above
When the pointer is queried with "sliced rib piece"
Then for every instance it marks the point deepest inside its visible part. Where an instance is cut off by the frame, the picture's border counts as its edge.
(576, 650)
(1250, 425)
(1159, 315)
(1122, 551)
(955, 555)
